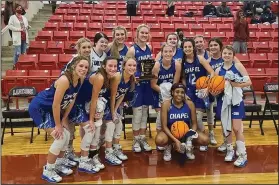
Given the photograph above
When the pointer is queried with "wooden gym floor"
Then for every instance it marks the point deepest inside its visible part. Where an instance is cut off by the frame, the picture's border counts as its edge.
(22, 162)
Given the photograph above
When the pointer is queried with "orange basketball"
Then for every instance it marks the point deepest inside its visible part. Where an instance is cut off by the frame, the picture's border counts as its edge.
(179, 129)
(202, 82)
(217, 83)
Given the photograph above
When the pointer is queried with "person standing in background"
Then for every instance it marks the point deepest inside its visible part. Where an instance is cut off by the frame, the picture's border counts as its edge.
(241, 33)
(209, 10)
(19, 26)
(170, 8)
(131, 8)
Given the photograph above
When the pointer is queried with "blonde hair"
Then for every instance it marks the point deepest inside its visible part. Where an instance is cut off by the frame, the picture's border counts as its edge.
(81, 41)
(143, 26)
(132, 78)
(229, 47)
(163, 46)
(114, 48)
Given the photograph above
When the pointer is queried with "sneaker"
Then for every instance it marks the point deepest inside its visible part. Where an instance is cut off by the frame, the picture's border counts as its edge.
(97, 162)
(167, 153)
(222, 147)
(69, 163)
(136, 146)
(203, 148)
(63, 170)
(241, 160)
(159, 148)
(119, 154)
(212, 139)
(112, 159)
(70, 154)
(230, 153)
(50, 175)
(86, 166)
(189, 150)
(146, 147)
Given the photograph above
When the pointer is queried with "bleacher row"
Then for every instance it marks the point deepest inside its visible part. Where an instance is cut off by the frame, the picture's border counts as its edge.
(53, 46)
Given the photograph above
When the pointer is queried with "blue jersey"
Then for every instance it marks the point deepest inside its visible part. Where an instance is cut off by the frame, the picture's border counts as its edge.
(122, 54)
(205, 55)
(179, 114)
(223, 71)
(44, 99)
(215, 63)
(166, 75)
(141, 55)
(178, 55)
(122, 89)
(193, 71)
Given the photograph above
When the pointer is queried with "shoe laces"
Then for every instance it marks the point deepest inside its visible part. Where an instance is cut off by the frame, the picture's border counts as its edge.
(144, 142)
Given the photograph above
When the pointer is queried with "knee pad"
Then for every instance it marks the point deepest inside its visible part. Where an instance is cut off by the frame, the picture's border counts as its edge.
(136, 120)
(96, 136)
(109, 131)
(210, 115)
(58, 144)
(68, 135)
(144, 117)
(199, 121)
(87, 138)
(158, 121)
(72, 130)
(118, 130)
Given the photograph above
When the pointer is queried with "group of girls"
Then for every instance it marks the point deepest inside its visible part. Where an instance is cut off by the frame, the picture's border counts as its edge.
(93, 86)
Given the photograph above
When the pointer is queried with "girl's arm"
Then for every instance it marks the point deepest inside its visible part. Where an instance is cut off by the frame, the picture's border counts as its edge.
(177, 72)
(158, 57)
(155, 71)
(206, 65)
(243, 72)
(131, 52)
(113, 90)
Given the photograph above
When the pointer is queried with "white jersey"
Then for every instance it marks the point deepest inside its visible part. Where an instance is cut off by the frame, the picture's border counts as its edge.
(96, 60)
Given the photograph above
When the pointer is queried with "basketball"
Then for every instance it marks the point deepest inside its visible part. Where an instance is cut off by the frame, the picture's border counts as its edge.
(179, 129)
(217, 83)
(202, 82)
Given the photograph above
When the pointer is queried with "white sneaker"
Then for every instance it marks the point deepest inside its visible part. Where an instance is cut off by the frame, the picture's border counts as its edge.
(230, 153)
(112, 159)
(167, 153)
(69, 163)
(63, 170)
(146, 147)
(97, 162)
(212, 139)
(70, 154)
(203, 148)
(222, 147)
(50, 175)
(241, 160)
(88, 167)
(159, 148)
(117, 151)
(136, 146)
(189, 150)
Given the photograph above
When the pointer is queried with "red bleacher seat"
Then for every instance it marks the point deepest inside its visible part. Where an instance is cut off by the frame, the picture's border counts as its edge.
(96, 19)
(44, 36)
(65, 26)
(48, 61)
(137, 19)
(189, 20)
(159, 13)
(82, 19)
(9, 82)
(37, 47)
(261, 47)
(150, 20)
(272, 73)
(69, 18)
(85, 12)
(121, 7)
(80, 26)
(55, 47)
(56, 18)
(253, 27)
(215, 20)
(75, 35)
(157, 36)
(221, 35)
(273, 58)
(224, 27)
(16, 72)
(175, 20)
(256, 71)
(275, 27)
(60, 35)
(189, 34)
(265, 27)
(109, 26)
(38, 79)
(184, 27)
(202, 20)
(210, 27)
(123, 19)
(164, 20)
(90, 34)
(273, 46)
(274, 36)
(156, 47)
(244, 59)
(77, 5)
(97, 12)
(258, 82)
(253, 37)
(87, 6)
(167, 27)
(69, 46)
(49, 26)
(55, 73)
(63, 59)
(196, 27)
(110, 19)
(73, 12)
(122, 12)
(95, 26)
(64, 6)
(128, 26)
(227, 20)
(60, 11)
(263, 36)
(259, 60)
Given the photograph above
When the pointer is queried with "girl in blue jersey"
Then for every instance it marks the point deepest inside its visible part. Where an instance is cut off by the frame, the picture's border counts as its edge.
(172, 40)
(88, 112)
(200, 46)
(120, 85)
(117, 47)
(49, 111)
(215, 46)
(143, 92)
(194, 67)
(179, 108)
(237, 111)
(166, 70)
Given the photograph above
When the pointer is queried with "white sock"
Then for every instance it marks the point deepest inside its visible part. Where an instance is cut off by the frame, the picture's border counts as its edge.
(240, 147)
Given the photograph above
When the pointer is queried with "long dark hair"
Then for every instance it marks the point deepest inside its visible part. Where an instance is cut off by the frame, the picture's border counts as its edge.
(217, 40)
(103, 72)
(71, 67)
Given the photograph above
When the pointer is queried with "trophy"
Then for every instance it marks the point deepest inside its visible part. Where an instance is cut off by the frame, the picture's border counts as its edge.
(145, 69)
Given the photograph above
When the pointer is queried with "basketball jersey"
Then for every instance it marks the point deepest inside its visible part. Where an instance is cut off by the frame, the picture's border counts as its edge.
(45, 98)
(122, 54)
(141, 55)
(96, 60)
(215, 63)
(193, 71)
(205, 55)
(233, 69)
(122, 88)
(179, 114)
(166, 75)
(177, 56)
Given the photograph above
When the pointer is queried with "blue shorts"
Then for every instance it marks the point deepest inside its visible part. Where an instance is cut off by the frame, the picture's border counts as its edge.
(156, 100)
(42, 118)
(107, 112)
(78, 114)
(143, 94)
(238, 111)
(199, 103)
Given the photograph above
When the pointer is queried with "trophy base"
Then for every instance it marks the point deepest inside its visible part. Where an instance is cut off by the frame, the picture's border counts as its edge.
(149, 77)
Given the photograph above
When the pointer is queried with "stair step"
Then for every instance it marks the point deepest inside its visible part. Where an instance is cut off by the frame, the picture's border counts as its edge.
(6, 60)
